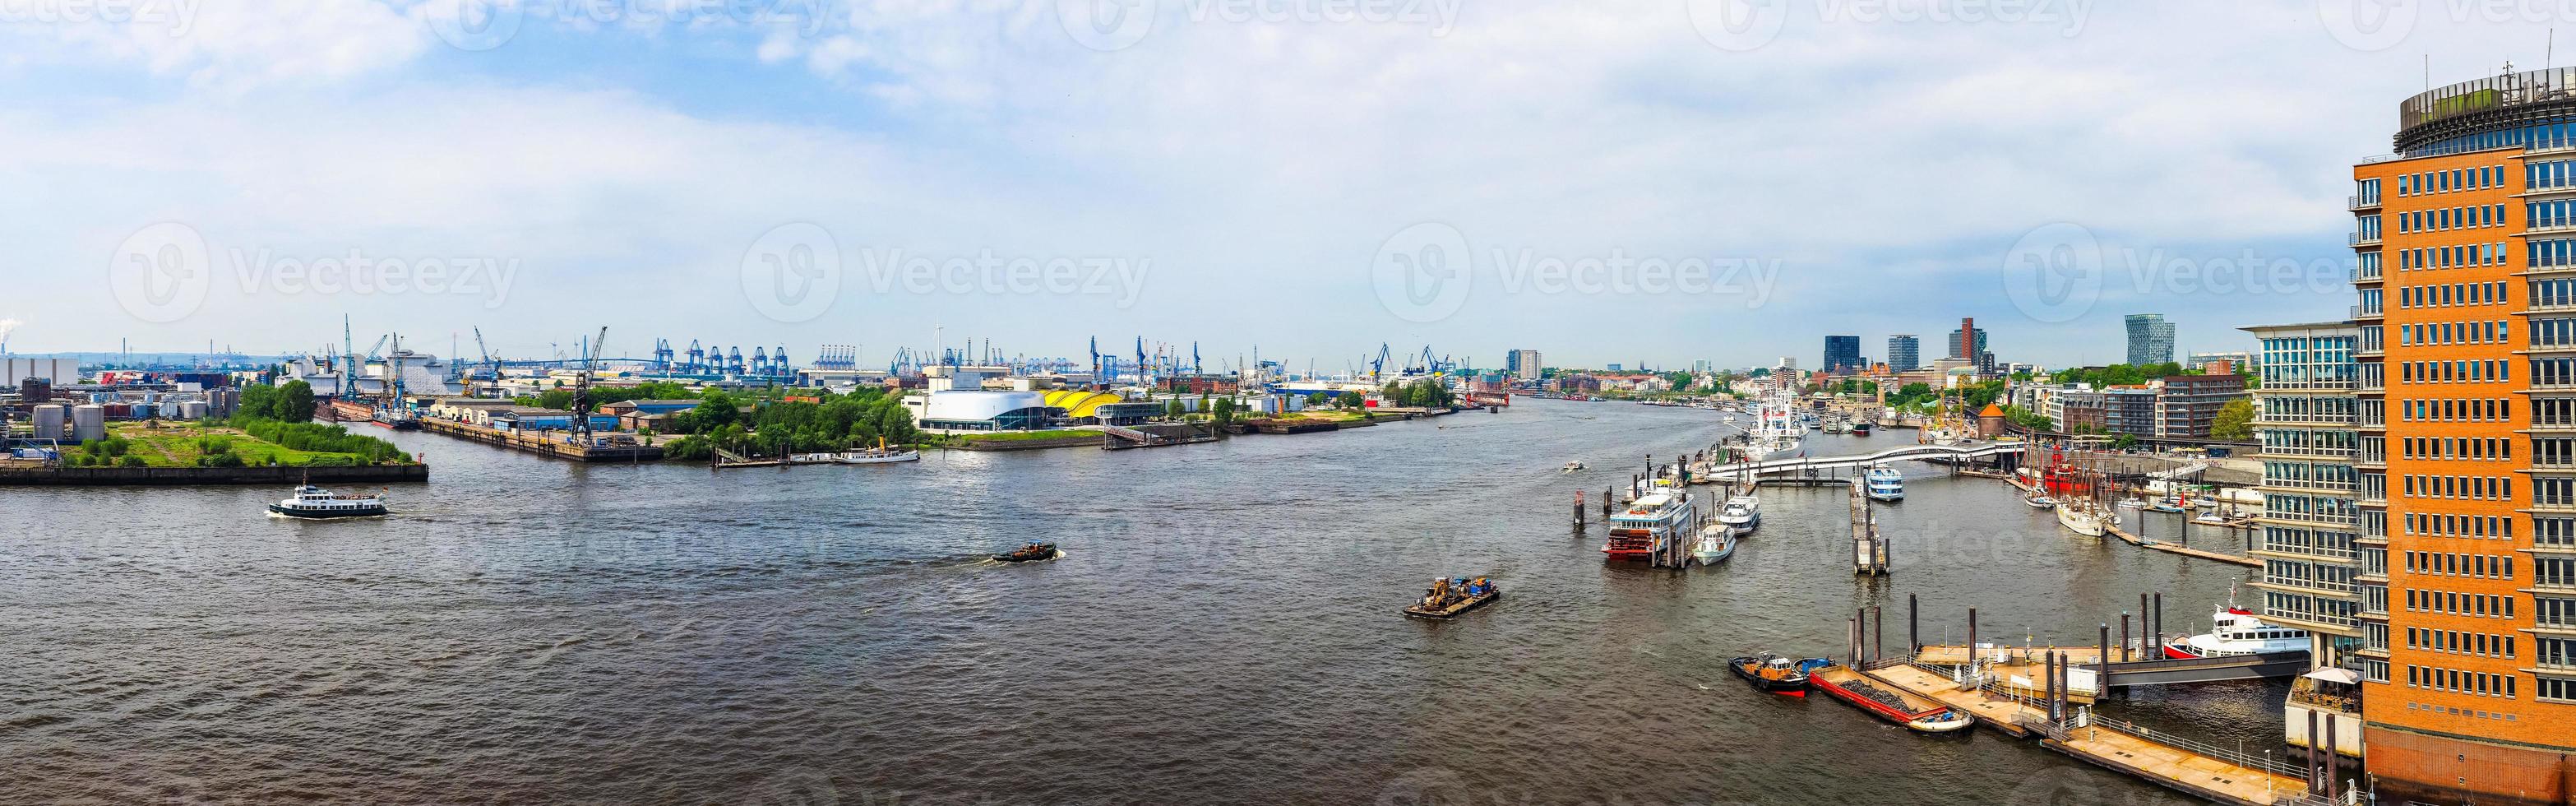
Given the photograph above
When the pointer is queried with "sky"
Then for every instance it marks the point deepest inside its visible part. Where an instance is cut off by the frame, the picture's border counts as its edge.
(1606, 182)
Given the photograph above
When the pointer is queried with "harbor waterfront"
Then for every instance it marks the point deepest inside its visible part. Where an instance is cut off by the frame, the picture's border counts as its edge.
(1222, 629)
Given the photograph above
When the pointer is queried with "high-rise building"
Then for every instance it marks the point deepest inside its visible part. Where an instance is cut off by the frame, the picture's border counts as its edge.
(1842, 354)
(1904, 353)
(1969, 342)
(2467, 409)
(1522, 364)
(2150, 339)
(2308, 422)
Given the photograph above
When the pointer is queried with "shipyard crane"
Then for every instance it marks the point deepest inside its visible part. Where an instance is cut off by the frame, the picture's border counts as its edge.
(1377, 366)
(492, 364)
(581, 388)
(1194, 358)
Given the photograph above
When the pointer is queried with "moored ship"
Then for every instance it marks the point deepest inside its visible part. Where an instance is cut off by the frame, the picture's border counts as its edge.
(1886, 484)
(2235, 631)
(1648, 523)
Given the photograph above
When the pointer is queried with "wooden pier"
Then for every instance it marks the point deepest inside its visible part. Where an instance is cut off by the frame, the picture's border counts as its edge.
(2058, 719)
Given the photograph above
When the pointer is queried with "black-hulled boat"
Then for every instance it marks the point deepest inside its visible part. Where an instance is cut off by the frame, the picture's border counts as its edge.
(1775, 674)
(1031, 552)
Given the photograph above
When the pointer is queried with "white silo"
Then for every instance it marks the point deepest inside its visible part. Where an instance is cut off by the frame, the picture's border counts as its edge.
(193, 410)
(49, 421)
(89, 422)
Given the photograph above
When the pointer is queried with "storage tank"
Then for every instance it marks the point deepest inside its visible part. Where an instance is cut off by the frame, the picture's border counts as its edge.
(193, 410)
(89, 422)
(49, 421)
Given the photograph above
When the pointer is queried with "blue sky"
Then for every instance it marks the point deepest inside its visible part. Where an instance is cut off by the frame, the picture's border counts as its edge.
(1604, 182)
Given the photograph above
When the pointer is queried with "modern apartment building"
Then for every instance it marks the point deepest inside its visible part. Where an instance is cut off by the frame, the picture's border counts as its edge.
(2466, 283)
(2307, 421)
(1522, 364)
(2151, 339)
(1904, 353)
(1842, 355)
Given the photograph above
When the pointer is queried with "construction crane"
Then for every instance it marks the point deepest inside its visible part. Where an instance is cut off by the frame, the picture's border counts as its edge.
(581, 388)
(1377, 366)
(492, 365)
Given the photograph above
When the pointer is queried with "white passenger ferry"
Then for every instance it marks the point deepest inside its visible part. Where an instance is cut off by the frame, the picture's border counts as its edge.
(1648, 523)
(2235, 631)
(1885, 484)
(317, 503)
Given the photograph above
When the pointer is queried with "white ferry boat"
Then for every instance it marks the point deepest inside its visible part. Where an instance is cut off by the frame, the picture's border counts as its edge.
(317, 503)
(1741, 513)
(2235, 631)
(1716, 543)
(1776, 433)
(1885, 484)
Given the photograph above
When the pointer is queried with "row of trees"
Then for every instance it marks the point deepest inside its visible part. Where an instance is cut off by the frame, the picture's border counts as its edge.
(1422, 393)
(604, 395)
(752, 425)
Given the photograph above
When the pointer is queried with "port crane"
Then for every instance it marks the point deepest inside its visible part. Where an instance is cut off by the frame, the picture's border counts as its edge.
(581, 387)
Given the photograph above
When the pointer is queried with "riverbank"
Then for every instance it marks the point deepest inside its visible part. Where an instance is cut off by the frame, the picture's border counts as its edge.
(280, 475)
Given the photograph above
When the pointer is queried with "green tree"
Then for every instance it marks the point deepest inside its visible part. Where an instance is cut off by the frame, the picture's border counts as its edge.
(2235, 420)
(295, 403)
(258, 402)
(1351, 400)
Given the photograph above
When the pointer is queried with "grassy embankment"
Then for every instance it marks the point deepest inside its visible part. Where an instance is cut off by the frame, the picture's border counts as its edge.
(183, 444)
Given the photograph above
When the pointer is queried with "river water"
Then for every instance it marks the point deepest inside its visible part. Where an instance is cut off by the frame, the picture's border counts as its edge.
(1223, 628)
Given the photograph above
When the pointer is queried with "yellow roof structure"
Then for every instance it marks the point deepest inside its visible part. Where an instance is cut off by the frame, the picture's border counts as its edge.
(1080, 403)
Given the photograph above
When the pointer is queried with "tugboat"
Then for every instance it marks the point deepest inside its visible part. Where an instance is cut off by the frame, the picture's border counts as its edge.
(1776, 674)
(1033, 551)
(1449, 596)
(318, 504)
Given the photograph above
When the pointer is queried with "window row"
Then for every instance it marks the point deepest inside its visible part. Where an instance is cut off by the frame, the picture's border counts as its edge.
(2483, 371)
(2470, 448)
(2486, 605)
(2442, 218)
(2458, 564)
(2437, 524)
(2480, 177)
(2455, 410)
(2475, 488)
(2452, 257)
(2486, 684)
(2423, 333)
(2448, 294)
(2460, 642)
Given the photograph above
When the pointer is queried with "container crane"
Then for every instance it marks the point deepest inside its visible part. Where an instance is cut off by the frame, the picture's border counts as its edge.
(581, 388)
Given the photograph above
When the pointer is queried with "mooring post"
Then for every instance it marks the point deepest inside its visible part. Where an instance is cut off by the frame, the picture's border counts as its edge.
(1972, 636)
(2334, 759)
(2048, 683)
(1877, 634)
(2315, 784)
(1913, 628)
(2157, 632)
(2124, 637)
(2102, 687)
(1851, 642)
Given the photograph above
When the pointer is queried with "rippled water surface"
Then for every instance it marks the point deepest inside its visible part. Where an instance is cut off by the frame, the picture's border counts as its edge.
(1223, 628)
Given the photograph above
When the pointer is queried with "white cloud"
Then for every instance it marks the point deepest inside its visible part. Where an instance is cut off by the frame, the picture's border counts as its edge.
(227, 45)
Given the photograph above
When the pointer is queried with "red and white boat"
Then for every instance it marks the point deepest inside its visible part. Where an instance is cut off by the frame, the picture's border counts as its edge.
(2235, 631)
(1661, 514)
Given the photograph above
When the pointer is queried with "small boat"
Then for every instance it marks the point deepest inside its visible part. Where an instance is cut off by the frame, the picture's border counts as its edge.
(880, 456)
(1449, 596)
(2081, 518)
(1571, 467)
(2163, 506)
(2132, 503)
(315, 503)
(2210, 518)
(1031, 552)
(1776, 674)
(1860, 429)
(2040, 502)
(1716, 543)
(1743, 513)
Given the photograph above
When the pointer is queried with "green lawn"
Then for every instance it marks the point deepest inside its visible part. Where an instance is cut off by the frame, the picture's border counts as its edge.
(179, 445)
